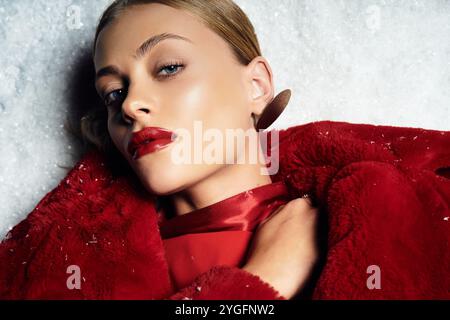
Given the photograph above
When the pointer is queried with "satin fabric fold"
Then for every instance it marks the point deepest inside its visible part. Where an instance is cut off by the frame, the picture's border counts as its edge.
(243, 211)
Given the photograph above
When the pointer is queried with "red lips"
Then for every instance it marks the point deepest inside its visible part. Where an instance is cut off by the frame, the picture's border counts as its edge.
(149, 140)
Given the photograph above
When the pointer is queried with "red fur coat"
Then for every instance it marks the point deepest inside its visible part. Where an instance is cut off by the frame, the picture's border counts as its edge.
(384, 191)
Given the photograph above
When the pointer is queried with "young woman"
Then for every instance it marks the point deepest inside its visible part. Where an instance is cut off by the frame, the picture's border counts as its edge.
(167, 64)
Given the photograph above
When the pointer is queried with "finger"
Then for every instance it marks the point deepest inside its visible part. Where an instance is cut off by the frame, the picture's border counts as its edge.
(307, 197)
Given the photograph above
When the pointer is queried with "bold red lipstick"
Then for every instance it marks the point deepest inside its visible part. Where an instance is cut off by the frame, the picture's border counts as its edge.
(149, 140)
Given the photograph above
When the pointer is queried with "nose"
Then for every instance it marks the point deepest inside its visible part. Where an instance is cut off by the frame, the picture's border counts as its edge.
(136, 106)
(134, 110)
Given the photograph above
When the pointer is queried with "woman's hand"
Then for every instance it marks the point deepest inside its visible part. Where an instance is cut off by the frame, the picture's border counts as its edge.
(284, 248)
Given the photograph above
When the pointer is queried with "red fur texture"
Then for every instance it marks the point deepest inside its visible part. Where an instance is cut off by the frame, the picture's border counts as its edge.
(384, 192)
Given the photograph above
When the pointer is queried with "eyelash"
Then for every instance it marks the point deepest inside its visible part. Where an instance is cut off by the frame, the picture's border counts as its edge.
(171, 64)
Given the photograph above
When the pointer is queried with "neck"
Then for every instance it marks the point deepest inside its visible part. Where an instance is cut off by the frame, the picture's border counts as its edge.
(226, 182)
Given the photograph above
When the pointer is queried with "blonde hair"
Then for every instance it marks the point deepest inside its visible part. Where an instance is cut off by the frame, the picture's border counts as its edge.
(223, 17)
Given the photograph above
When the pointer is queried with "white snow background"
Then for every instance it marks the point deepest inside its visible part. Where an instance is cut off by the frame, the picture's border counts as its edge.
(361, 61)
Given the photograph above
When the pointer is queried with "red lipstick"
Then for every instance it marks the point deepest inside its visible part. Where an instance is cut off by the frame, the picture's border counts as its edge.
(149, 140)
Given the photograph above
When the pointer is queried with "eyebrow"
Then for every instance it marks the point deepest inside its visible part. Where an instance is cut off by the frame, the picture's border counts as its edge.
(143, 49)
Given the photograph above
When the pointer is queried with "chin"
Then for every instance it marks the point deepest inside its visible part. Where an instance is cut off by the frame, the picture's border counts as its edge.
(162, 181)
(160, 177)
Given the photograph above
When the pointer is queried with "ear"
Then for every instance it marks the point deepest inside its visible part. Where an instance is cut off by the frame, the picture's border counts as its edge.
(259, 79)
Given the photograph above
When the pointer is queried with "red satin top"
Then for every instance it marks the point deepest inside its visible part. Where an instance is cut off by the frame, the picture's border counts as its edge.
(218, 234)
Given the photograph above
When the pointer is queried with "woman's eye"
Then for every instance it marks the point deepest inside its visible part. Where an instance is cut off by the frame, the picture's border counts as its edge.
(170, 70)
(114, 97)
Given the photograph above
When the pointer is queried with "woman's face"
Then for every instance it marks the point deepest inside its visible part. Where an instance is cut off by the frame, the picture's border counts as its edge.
(175, 83)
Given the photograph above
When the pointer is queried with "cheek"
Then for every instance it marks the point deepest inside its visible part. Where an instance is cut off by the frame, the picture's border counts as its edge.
(216, 99)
